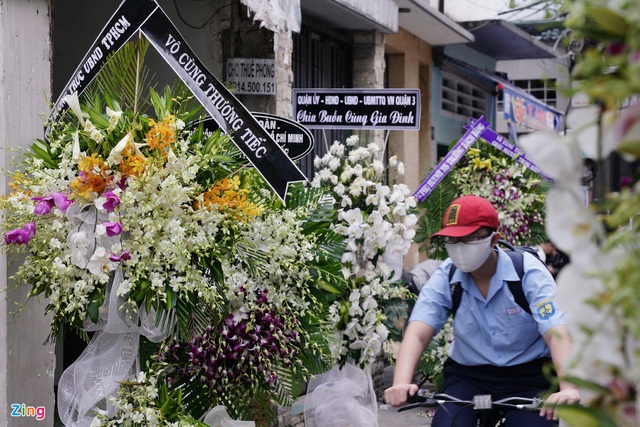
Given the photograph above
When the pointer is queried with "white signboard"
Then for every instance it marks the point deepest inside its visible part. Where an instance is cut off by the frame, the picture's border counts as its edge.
(252, 76)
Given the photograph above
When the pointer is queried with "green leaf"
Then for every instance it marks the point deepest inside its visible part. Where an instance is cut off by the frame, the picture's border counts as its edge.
(93, 310)
(171, 298)
(588, 385)
(582, 416)
(148, 302)
(613, 25)
(124, 76)
(41, 150)
(98, 119)
(141, 290)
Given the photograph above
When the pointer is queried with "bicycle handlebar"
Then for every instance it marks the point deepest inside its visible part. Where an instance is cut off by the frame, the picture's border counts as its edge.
(430, 399)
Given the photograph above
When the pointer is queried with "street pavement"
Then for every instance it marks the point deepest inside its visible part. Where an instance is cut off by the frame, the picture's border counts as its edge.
(389, 416)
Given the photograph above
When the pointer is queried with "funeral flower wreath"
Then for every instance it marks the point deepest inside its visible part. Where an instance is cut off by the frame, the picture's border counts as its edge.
(160, 245)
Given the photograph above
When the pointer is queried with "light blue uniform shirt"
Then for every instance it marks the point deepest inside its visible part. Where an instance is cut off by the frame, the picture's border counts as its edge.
(493, 330)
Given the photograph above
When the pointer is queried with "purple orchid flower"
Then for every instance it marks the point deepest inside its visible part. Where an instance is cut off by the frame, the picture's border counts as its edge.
(110, 202)
(113, 228)
(30, 229)
(124, 256)
(18, 236)
(61, 201)
(44, 205)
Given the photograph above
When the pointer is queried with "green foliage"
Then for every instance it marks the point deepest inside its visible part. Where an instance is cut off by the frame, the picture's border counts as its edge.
(517, 193)
(432, 211)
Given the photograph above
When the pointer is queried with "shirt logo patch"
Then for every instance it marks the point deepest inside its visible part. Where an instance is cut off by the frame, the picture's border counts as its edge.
(513, 310)
(452, 215)
(545, 309)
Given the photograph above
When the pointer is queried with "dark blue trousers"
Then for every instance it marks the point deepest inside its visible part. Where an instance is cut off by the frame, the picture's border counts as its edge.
(464, 382)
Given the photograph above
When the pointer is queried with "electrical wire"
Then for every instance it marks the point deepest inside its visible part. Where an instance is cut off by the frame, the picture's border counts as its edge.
(533, 12)
(175, 2)
(483, 6)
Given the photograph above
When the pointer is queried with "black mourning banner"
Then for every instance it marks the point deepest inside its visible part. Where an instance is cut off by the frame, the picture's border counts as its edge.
(122, 25)
(392, 109)
(230, 114)
(295, 139)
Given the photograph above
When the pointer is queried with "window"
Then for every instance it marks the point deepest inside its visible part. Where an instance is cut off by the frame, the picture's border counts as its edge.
(321, 60)
(543, 90)
(462, 98)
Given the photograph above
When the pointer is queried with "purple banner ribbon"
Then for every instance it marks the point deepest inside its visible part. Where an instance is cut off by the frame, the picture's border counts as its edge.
(474, 131)
(511, 150)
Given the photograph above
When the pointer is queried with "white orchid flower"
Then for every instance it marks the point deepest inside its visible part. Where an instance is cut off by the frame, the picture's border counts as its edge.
(79, 243)
(99, 263)
(101, 230)
(115, 156)
(569, 221)
(337, 149)
(557, 157)
(369, 303)
(410, 220)
(93, 132)
(114, 118)
(587, 126)
(353, 140)
(626, 132)
(75, 153)
(333, 164)
(593, 355)
(74, 103)
(178, 125)
(355, 310)
(79, 256)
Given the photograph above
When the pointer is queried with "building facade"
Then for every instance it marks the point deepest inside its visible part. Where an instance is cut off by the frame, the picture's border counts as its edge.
(368, 44)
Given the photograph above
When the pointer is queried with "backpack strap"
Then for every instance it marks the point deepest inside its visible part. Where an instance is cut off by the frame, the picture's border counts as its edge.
(515, 287)
(456, 292)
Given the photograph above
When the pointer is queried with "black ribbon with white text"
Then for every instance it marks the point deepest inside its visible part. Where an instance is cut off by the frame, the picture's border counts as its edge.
(231, 115)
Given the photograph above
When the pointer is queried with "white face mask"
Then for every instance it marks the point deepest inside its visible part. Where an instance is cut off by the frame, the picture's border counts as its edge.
(469, 257)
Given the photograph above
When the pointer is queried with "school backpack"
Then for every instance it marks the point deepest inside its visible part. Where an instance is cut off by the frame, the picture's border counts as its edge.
(516, 255)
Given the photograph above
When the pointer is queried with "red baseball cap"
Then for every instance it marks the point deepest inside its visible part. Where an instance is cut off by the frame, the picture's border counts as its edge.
(467, 214)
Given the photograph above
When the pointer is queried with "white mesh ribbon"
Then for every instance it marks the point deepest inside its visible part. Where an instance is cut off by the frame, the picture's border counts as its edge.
(219, 417)
(276, 15)
(111, 356)
(341, 398)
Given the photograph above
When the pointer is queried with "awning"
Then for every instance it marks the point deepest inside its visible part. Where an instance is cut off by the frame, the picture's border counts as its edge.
(519, 107)
(380, 15)
(503, 40)
(419, 18)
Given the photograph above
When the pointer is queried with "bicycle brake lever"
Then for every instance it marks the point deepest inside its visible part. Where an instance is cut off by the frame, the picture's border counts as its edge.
(416, 398)
(410, 406)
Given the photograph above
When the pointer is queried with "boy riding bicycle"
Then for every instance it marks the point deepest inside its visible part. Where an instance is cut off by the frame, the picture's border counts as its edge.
(499, 348)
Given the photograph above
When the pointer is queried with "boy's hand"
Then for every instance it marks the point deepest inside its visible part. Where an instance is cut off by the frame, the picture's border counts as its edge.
(396, 395)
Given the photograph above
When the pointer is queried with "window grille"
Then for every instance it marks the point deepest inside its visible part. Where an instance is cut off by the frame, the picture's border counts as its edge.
(542, 89)
(461, 98)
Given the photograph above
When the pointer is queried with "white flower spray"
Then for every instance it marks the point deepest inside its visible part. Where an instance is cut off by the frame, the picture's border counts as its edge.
(373, 217)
